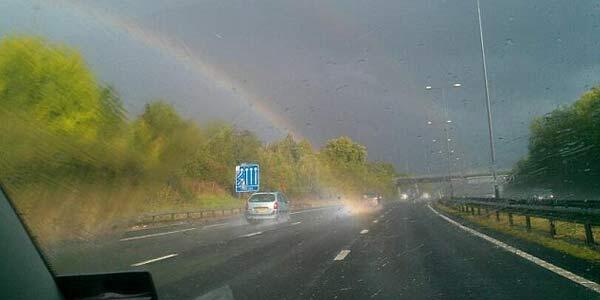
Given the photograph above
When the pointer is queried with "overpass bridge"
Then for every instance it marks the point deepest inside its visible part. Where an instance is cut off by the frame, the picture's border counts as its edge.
(466, 185)
(502, 177)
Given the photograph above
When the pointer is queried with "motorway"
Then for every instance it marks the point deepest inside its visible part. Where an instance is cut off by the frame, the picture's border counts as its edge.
(403, 251)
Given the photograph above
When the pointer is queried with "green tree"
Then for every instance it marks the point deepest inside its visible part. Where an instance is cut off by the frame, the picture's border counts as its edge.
(563, 149)
(51, 84)
(345, 151)
(223, 148)
(112, 113)
(163, 140)
(50, 103)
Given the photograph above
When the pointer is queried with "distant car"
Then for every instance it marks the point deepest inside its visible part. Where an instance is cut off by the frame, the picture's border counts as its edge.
(541, 194)
(372, 199)
(543, 197)
(267, 206)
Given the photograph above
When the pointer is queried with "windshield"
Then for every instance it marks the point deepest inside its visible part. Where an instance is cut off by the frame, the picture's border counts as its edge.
(262, 198)
(418, 148)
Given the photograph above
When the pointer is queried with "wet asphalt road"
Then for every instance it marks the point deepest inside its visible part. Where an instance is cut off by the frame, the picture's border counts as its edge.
(402, 251)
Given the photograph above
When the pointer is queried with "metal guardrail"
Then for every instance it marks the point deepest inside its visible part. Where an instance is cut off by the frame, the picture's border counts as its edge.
(576, 211)
(591, 204)
(198, 214)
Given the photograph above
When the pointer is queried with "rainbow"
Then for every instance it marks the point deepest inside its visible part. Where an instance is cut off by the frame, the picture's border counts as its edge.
(186, 57)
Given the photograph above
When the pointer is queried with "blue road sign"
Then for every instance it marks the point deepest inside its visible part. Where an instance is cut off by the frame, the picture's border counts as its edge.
(247, 178)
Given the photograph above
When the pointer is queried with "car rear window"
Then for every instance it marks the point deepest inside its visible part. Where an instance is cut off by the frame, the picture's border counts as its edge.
(262, 198)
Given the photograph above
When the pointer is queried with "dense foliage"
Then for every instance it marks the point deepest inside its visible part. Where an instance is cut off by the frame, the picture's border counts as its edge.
(564, 150)
(62, 128)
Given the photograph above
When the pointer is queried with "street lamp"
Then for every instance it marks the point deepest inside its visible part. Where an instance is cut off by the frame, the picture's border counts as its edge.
(488, 104)
(448, 139)
(427, 158)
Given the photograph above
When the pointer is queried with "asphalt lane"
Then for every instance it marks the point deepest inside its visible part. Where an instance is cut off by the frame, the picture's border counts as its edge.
(120, 253)
(413, 254)
(400, 252)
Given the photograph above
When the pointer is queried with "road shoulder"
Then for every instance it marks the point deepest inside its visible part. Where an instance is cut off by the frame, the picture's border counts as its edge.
(578, 266)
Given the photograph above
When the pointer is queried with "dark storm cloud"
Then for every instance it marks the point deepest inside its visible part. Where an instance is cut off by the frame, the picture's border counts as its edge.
(359, 68)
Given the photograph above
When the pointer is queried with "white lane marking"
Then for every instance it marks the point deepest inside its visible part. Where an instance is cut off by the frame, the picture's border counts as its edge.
(296, 223)
(251, 234)
(538, 261)
(342, 255)
(146, 227)
(155, 234)
(375, 221)
(214, 225)
(154, 260)
(312, 209)
(364, 231)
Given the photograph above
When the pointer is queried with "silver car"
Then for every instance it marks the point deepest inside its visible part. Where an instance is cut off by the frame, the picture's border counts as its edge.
(267, 206)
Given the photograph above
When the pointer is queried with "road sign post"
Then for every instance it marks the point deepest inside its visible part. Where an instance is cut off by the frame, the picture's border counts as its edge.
(247, 178)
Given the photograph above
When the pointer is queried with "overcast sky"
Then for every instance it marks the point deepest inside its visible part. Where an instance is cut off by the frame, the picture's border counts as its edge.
(321, 69)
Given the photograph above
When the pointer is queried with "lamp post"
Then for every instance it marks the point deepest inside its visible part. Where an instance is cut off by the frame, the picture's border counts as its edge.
(426, 148)
(446, 124)
(488, 104)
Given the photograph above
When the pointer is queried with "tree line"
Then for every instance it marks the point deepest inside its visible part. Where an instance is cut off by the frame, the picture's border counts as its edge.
(61, 127)
(564, 150)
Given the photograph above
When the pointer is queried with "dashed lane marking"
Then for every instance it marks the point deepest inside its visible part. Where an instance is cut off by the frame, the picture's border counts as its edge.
(251, 234)
(342, 255)
(214, 225)
(154, 260)
(169, 232)
(155, 234)
(309, 210)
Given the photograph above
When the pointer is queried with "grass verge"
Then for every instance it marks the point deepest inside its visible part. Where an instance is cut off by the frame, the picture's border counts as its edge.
(89, 211)
(569, 238)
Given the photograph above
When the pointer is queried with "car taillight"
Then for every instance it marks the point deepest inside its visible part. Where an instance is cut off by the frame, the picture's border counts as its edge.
(276, 205)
